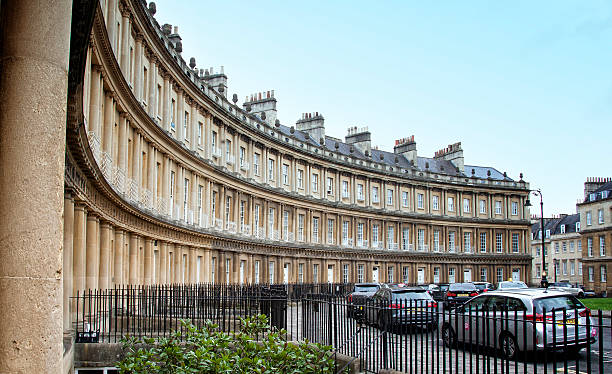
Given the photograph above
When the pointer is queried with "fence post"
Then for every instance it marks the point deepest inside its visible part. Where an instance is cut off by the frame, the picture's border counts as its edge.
(329, 320)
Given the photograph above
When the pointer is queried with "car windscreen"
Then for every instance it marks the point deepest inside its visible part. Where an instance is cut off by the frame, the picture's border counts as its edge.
(557, 303)
(366, 288)
(480, 287)
(444, 287)
(410, 296)
(562, 285)
(462, 287)
(513, 285)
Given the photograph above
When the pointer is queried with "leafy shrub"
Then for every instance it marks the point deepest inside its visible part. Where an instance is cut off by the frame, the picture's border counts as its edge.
(257, 348)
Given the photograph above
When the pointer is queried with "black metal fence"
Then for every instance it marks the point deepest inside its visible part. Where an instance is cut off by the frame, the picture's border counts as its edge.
(408, 335)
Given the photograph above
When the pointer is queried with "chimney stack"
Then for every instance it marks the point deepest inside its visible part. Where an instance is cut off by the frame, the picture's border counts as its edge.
(263, 102)
(360, 138)
(454, 154)
(407, 148)
(218, 81)
(313, 124)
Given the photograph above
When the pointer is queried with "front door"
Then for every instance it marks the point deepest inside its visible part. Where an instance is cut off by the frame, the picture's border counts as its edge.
(516, 275)
(467, 275)
(330, 273)
(286, 273)
(375, 274)
(421, 276)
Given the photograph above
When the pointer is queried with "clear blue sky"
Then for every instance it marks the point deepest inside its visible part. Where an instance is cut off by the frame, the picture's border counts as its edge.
(526, 86)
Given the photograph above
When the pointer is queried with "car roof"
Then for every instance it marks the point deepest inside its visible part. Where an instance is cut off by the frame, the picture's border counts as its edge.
(527, 292)
(395, 287)
(368, 284)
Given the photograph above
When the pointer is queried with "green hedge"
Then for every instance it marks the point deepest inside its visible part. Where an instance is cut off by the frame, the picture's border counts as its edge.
(257, 348)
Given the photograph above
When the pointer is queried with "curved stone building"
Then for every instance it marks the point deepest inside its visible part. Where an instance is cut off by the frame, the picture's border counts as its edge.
(170, 182)
(166, 180)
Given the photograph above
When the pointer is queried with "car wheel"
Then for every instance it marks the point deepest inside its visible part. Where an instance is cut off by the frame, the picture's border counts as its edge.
(580, 295)
(508, 345)
(449, 337)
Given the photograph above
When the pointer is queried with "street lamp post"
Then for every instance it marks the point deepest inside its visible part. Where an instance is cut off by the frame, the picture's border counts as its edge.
(538, 192)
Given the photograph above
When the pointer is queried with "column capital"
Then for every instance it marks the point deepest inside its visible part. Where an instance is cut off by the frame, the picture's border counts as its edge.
(80, 205)
(97, 68)
(104, 223)
(138, 37)
(93, 216)
(125, 11)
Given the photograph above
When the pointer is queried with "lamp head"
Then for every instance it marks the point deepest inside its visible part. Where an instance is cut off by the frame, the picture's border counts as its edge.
(527, 202)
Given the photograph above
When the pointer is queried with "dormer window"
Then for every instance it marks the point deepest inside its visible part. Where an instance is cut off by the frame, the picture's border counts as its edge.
(562, 229)
(604, 194)
(592, 197)
(547, 234)
(577, 226)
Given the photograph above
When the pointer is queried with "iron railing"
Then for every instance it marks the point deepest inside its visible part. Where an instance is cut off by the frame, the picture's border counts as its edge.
(407, 335)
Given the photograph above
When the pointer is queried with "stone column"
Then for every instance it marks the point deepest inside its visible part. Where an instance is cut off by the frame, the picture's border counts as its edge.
(166, 103)
(133, 269)
(163, 264)
(194, 126)
(122, 143)
(92, 252)
(111, 28)
(107, 141)
(192, 265)
(118, 260)
(180, 115)
(151, 169)
(152, 87)
(32, 154)
(125, 43)
(67, 259)
(166, 183)
(78, 260)
(105, 239)
(137, 158)
(178, 259)
(94, 98)
(148, 260)
(138, 67)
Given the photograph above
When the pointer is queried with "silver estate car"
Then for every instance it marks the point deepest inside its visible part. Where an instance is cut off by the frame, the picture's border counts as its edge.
(521, 320)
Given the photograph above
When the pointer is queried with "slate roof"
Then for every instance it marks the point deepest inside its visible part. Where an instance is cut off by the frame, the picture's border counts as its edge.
(434, 165)
(554, 225)
(605, 190)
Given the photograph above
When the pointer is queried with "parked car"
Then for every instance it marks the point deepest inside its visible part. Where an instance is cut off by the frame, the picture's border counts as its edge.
(443, 290)
(459, 293)
(357, 299)
(489, 320)
(566, 287)
(484, 286)
(511, 285)
(436, 292)
(396, 305)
